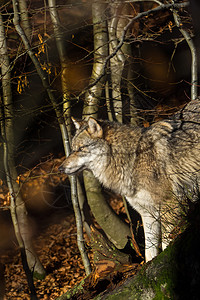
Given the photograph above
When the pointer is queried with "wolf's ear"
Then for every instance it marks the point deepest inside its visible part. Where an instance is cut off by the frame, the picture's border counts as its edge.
(76, 123)
(94, 128)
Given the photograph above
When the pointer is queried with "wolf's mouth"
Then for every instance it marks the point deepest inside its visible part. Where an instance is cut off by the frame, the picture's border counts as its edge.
(77, 171)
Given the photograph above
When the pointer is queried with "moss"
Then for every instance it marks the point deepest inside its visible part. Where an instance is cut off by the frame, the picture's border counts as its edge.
(39, 276)
(164, 283)
(163, 275)
(174, 274)
(156, 280)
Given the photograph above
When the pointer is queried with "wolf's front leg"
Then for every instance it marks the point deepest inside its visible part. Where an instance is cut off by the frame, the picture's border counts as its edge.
(144, 204)
(152, 232)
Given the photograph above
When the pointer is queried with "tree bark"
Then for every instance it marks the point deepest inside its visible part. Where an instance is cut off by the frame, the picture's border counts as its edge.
(67, 131)
(103, 213)
(64, 62)
(25, 18)
(64, 132)
(93, 95)
(18, 209)
(193, 51)
(116, 230)
(117, 63)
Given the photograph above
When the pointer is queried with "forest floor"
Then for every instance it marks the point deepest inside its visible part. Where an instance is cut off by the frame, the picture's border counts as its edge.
(57, 248)
(55, 240)
(59, 254)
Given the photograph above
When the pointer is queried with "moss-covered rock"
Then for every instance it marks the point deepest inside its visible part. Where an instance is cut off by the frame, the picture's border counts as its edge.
(174, 274)
(156, 280)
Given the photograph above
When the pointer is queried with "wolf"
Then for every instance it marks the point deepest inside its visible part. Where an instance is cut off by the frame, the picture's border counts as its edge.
(146, 165)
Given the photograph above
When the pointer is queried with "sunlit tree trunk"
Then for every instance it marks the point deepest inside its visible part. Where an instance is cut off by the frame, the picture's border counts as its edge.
(132, 95)
(120, 64)
(104, 215)
(115, 26)
(64, 62)
(93, 95)
(24, 17)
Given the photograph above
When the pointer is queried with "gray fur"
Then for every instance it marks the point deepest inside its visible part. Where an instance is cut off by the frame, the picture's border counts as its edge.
(146, 165)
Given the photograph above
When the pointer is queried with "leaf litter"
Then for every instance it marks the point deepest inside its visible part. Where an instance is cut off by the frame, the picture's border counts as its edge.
(55, 241)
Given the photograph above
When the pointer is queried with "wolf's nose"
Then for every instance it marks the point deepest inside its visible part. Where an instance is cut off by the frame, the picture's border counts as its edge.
(61, 169)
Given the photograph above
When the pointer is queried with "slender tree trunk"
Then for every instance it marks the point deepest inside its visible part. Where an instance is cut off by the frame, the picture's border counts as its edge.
(18, 210)
(64, 62)
(103, 213)
(28, 262)
(132, 96)
(115, 25)
(108, 102)
(67, 110)
(64, 132)
(120, 63)
(93, 95)
(25, 18)
(74, 197)
(193, 51)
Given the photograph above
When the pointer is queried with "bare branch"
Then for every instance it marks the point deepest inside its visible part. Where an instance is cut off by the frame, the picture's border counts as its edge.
(67, 129)
(63, 128)
(18, 211)
(126, 28)
(194, 63)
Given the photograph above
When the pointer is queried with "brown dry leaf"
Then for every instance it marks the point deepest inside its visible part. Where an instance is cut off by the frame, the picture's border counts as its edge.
(56, 245)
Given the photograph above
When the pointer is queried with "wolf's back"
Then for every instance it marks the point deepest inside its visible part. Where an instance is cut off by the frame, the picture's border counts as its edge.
(190, 112)
(183, 165)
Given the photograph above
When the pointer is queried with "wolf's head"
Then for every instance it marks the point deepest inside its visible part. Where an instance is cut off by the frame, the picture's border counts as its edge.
(88, 148)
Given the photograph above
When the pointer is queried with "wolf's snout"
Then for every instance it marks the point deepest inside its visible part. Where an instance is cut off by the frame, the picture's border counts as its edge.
(61, 169)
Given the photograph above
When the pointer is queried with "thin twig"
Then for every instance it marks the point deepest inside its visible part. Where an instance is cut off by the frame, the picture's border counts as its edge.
(122, 40)
(43, 76)
(194, 63)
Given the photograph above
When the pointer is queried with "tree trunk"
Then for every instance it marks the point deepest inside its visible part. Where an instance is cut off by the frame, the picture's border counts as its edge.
(19, 212)
(115, 229)
(93, 95)
(117, 63)
(64, 62)
(193, 51)
(24, 17)
(121, 63)
(66, 132)
(103, 213)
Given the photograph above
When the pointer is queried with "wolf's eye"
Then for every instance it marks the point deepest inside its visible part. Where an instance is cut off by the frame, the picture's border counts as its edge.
(83, 149)
(80, 149)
